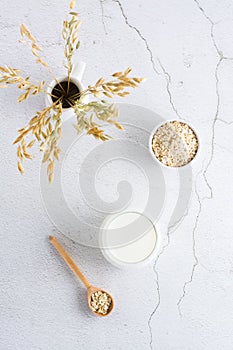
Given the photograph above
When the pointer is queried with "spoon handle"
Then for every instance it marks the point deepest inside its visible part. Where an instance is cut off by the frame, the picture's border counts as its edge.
(69, 261)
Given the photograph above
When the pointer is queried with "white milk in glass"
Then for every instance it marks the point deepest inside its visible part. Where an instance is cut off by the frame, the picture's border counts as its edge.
(135, 250)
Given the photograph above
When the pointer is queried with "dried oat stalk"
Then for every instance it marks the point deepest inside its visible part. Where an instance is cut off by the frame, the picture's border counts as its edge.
(45, 126)
(101, 110)
(114, 87)
(70, 36)
(10, 75)
(26, 34)
(89, 113)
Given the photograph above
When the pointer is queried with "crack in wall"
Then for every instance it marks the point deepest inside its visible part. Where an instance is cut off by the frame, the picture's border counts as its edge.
(225, 121)
(220, 59)
(171, 228)
(102, 16)
(213, 129)
(165, 73)
(139, 34)
(156, 307)
(196, 262)
(168, 83)
(158, 287)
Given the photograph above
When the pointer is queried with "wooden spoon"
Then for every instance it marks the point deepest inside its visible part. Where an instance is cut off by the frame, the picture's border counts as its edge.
(90, 289)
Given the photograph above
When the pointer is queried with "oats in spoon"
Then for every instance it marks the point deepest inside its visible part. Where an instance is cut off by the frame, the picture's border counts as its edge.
(100, 302)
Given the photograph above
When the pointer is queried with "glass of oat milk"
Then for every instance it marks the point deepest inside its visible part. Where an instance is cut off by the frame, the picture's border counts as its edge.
(129, 239)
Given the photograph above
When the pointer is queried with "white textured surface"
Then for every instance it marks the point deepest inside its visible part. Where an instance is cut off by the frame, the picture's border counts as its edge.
(184, 301)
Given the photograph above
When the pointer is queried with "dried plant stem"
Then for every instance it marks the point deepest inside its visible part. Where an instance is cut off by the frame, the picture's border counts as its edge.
(70, 36)
(9, 76)
(101, 109)
(45, 126)
(35, 48)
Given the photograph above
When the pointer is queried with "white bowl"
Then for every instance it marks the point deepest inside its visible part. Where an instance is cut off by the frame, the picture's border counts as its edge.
(108, 252)
(155, 130)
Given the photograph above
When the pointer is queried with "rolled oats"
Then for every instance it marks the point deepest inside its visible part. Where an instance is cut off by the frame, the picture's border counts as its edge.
(175, 144)
(100, 302)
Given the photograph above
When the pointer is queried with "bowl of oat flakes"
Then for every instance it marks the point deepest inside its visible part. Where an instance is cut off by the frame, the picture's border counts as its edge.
(174, 144)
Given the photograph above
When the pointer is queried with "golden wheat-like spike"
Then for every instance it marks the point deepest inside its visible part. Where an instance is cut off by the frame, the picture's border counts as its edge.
(117, 74)
(30, 144)
(72, 4)
(20, 168)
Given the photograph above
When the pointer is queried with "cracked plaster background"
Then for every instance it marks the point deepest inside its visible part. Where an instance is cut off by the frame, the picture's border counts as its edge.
(184, 300)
